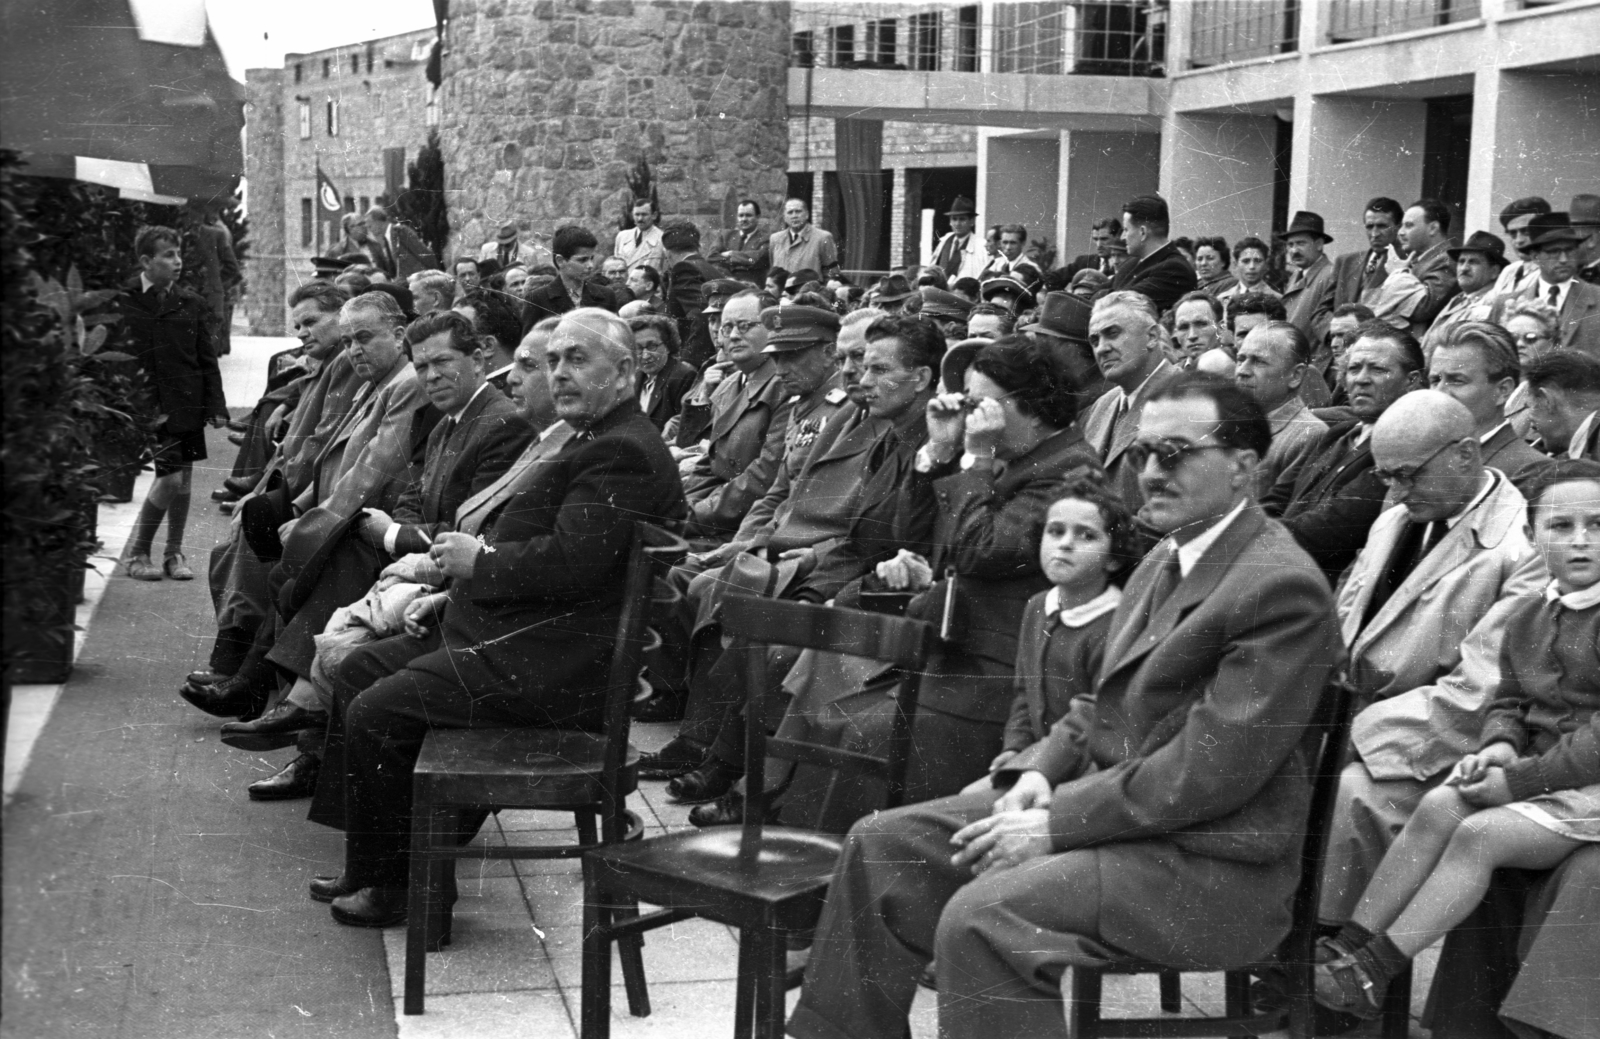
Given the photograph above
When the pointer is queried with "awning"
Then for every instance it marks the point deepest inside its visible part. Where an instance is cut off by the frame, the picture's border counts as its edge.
(132, 94)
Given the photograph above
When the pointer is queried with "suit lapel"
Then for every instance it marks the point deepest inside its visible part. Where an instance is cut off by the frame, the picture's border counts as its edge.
(1374, 559)
(1452, 550)
(476, 509)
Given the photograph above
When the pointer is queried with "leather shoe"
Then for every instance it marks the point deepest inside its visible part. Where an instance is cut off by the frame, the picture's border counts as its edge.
(706, 783)
(326, 888)
(727, 810)
(236, 439)
(228, 698)
(198, 679)
(226, 508)
(238, 425)
(371, 907)
(222, 494)
(674, 759)
(276, 729)
(298, 779)
(238, 486)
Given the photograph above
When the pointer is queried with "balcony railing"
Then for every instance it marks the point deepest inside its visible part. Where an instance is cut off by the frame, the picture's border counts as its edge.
(1365, 19)
(1084, 37)
(1236, 30)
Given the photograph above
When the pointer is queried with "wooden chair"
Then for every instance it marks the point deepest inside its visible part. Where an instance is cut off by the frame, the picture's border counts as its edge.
(587, 773)
(1325, 747)
(768, 881)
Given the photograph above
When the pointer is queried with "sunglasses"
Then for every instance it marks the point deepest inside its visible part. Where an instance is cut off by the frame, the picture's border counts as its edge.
(1169, 454)
(1390, 477)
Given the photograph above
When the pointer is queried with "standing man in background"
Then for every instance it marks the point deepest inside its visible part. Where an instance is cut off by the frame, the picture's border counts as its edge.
(800, 246)
(959, 253)
(640, 245)
(744, 250)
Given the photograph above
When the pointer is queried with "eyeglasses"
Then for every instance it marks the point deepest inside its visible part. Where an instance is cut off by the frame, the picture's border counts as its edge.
(742, 327)
(1168, 453)
(1390, 477)
(1529, 338)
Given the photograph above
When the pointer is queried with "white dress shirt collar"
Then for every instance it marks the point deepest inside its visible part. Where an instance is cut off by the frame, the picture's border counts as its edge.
(1080, 615)
(1580, 600)
(1190, 554)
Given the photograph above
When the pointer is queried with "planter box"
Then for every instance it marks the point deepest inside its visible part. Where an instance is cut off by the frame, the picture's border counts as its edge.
(41, 647)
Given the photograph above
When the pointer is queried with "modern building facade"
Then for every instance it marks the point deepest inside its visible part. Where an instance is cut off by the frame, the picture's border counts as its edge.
(1240, 112)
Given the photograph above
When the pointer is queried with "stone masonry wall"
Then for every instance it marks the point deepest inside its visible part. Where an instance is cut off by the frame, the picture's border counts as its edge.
(263, 168)
(548, 105)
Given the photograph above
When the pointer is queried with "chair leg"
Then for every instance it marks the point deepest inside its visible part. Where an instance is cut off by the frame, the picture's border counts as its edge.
(595, 1010)
(419, 899)
(1397, 1007)
(771, 990)
(1171, 992)
(1083, 1016)
(744, 1007)
(630, 950)
(1236, 993)
(583, 819)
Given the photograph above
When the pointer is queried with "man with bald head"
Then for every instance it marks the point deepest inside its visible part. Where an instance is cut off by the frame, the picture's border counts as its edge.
(1273, 364)
(525, 639)
(1423, 615)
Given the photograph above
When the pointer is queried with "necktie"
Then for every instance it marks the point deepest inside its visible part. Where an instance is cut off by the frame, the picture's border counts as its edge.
(1372, 260)
(950, 262)
(638, 238)
(1414, 544)
(1162, 585)
(1555, 296)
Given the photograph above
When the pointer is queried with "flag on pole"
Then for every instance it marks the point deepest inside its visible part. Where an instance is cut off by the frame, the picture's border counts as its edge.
(328, 195)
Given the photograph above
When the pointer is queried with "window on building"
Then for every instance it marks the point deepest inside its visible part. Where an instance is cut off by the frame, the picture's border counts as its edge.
(333, 118)
(364, 204)
(842, 44)
(307, 223)
(802, 55)
(371, 55)
(327, 67)
(355, 64)
(430, 115)
(305, 120)
(881, 41)
(925, 41)
(299, 71)
(966, 56)
(349, 203)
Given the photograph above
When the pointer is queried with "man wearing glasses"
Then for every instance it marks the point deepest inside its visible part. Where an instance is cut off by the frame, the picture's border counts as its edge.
(1120, 830)
(1424, 608)
(1554, 248)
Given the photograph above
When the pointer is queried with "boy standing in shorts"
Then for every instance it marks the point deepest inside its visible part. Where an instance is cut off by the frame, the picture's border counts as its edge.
(167, 331)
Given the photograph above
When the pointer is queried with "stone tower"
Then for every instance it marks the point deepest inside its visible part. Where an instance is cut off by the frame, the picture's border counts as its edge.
(549, 104)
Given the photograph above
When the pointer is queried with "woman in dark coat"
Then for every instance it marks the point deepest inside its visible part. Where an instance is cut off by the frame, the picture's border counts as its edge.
(1016, 422)
(663, 379)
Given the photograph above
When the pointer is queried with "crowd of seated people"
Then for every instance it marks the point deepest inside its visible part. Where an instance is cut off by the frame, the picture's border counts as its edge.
(1152, 499)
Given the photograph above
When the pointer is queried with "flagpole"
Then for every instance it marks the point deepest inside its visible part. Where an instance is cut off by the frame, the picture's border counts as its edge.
(316, 193)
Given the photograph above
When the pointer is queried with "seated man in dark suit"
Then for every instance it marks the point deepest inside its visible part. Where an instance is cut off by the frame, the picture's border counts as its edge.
(1477, 365)
(527, 633)
(684, 290)
(1158, 819)
(1331, 503)
(577, 285)
(477, 439)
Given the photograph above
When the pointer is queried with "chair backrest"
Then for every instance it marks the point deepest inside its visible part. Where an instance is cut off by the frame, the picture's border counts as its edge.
(758, 623)
(654, 552)
(1327, 745)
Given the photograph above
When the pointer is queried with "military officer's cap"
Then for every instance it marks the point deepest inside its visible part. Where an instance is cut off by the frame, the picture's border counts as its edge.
(797, 328)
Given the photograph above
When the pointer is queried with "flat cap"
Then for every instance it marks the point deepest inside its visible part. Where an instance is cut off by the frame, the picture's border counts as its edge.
(937, 303)
(798, 328)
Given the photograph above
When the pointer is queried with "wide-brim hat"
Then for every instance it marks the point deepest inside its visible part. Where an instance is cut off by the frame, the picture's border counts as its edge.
(957, 359)
(942, 305)
(329, 264)
(1305, 222)
(1063, 315)
(1553, 229)
(1585, 211)
(1009, 287)
(794, 327)
(893, 289)
(962, 206)
(1491, 246)
(507, 235)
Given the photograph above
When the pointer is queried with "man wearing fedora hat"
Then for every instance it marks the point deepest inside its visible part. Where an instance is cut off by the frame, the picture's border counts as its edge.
(1062, 325)
(891, 293)
(1585, 215)
(959, 253)
(1308, 297)
(1478, 264)
(506, 248)
(1554, 247)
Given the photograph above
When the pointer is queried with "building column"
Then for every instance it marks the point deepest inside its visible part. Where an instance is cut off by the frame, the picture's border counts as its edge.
(1217, 174)
(1534, 144)
(1349, 149)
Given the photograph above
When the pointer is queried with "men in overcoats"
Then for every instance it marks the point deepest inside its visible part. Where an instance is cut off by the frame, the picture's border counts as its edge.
(396, 249)
(745, 250)
(1577, 303)
(1425, 232)
(1424, 609)
(1123, 331)
(749, 413)
(1137, 826)
(686, 276)
(527, 634)
(1308, 297)
(1363, 270)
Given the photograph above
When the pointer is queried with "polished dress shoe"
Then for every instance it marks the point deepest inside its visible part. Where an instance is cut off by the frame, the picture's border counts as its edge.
(238, 486)
(237, 439)
(200, 679)
(276, 729)
(238, 425)
(298, 779)
(226, 508)
(326, 888)
(674, 759)
(727, 810)
(371, 907)
(229, 698)
(222, 494)
(706, 783)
